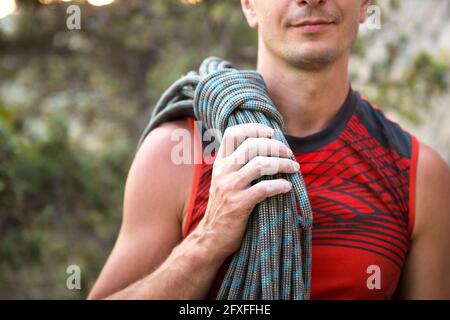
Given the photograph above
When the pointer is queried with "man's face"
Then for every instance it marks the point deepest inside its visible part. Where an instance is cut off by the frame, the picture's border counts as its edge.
(306, 34)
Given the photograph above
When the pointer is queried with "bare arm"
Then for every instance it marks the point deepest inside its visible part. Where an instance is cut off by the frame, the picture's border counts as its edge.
(151, 225)
(186, 274)
(148, 261)
(427, 269)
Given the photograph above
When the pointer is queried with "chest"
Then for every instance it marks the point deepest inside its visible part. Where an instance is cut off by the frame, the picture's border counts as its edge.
(360, 237)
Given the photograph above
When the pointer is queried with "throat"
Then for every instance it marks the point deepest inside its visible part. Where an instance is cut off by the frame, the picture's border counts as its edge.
(313, 114)
(307, 100)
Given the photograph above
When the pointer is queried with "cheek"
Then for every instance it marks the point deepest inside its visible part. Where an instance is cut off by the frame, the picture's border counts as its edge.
(350, 10)
(270, 27)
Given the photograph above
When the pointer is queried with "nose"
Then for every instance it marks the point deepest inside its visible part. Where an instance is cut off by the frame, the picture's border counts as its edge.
(311, 3)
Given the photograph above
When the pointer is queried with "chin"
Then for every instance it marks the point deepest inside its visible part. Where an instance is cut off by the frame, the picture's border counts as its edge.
(312, 57)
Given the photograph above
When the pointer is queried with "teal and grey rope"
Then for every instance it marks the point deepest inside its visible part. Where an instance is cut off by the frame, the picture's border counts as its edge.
(274, 260)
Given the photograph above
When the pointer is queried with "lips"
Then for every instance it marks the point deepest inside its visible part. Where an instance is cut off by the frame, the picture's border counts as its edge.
(313, 26)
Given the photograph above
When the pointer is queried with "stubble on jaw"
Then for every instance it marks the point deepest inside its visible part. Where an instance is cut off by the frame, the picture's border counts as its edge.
(311, 61)
(297, 55)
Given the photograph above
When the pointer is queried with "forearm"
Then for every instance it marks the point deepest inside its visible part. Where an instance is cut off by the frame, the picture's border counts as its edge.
(187, 273)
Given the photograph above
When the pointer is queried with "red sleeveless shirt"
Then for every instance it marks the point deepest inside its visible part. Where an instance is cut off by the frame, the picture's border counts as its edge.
(360, 177)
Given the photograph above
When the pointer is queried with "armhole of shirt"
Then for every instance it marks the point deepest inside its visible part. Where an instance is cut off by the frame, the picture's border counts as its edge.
(195, 181)
(412, 185)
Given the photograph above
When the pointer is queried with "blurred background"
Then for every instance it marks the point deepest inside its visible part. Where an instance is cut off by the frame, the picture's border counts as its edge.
(73, 104)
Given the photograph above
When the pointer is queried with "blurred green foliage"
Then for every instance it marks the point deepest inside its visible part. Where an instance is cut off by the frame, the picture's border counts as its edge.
(60, 205)
(73, 103)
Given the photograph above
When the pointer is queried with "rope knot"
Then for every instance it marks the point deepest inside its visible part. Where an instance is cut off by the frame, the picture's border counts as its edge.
(224, 91)
(274, 260)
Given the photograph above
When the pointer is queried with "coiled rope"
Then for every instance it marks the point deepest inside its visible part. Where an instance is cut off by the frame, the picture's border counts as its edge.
(274, 260)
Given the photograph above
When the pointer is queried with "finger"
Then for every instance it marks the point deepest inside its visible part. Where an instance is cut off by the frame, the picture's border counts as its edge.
(261, 166)
(235, 135)
(265, 189)
(253, 147)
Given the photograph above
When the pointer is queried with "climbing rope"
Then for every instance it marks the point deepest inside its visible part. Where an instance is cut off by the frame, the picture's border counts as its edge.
(274, 260)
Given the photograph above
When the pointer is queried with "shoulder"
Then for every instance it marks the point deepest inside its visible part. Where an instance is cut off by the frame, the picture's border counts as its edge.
(425, 274)
(432, 192)
(156, 151)
(387, 131)
(159, 142)
(157, 180)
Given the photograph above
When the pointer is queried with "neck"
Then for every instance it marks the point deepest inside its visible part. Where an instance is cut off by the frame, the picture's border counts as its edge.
(307, 100)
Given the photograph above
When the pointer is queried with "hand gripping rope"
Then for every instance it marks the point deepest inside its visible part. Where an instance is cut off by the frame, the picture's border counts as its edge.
(274, 260)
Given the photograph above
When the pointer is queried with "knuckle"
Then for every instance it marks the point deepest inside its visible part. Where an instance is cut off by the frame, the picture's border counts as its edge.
(233, 184)
(218, 168)
(227, 201)
(258, 162)
(239, 177)
(230, 133)
(232, 203)
(248, 145)
(221, 187)
(265, 189)
(253, 127)
(269, 167)
(250, 141)
(259, 166)
(273, 148)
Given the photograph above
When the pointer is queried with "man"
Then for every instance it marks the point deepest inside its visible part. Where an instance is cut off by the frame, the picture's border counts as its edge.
(380, 199)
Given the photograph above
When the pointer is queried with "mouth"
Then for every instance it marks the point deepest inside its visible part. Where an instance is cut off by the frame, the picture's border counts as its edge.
(313, 25)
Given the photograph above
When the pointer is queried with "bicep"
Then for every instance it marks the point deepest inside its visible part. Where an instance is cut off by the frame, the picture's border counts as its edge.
(151, 225)
(426, 274)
